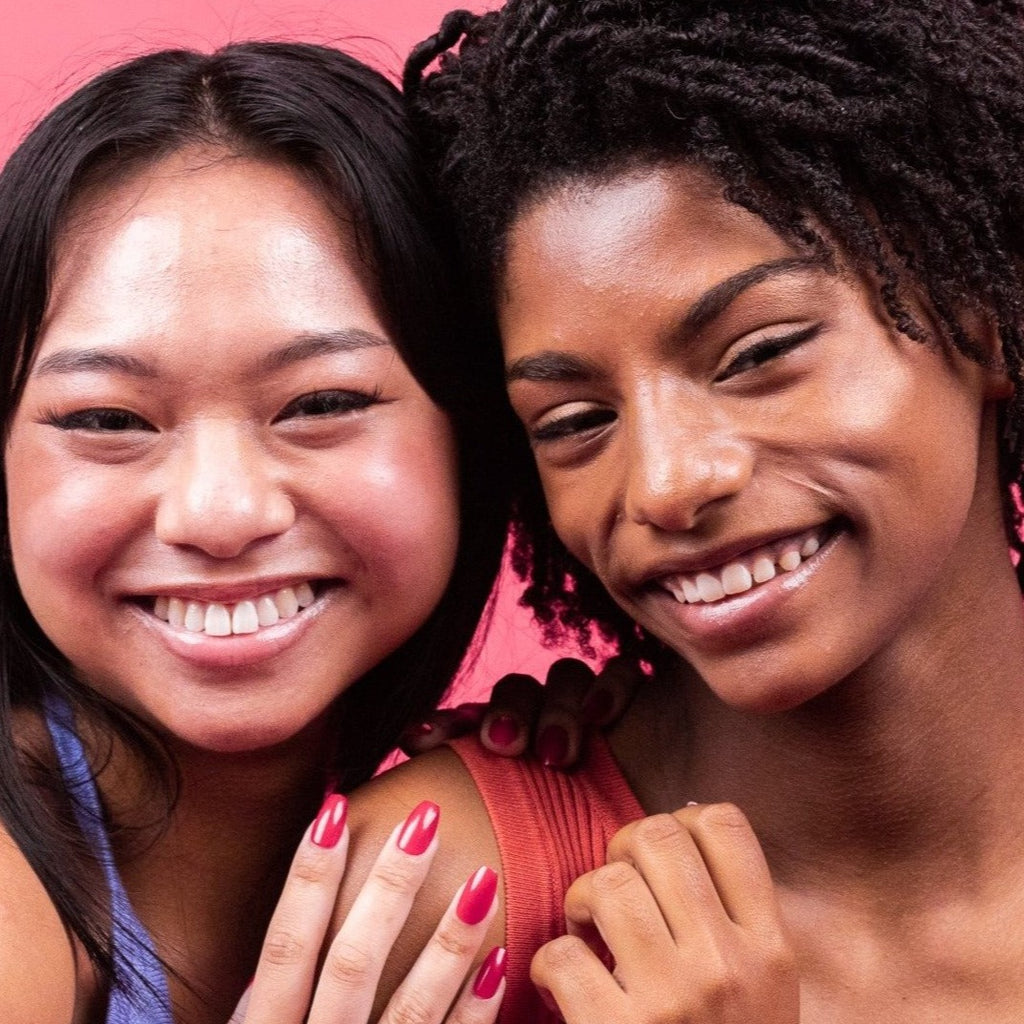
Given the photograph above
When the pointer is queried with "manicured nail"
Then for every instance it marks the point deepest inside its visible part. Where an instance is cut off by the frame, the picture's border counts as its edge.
(598, 706)
(420, 729)
(330, 822)
(477, 897)
(491, 971)
(503, 731)
(419, 828)
(553, 746)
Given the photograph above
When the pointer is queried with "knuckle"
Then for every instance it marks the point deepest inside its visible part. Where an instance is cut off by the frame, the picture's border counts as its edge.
(347, 964)
(610, 879)
(656, 831)
(455, 944)
(723, 818)
(394, 877)
(410, 1008)
(563, 954)
(283, 948)
(309, 867)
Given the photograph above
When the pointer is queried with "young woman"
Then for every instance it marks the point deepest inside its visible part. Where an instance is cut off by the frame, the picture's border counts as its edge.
(757, 273)
(250, 532)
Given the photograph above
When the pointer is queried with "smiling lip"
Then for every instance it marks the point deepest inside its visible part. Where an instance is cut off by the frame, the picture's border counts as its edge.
(751, 568)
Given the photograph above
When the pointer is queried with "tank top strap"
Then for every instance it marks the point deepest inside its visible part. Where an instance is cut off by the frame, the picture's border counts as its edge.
(140, 994)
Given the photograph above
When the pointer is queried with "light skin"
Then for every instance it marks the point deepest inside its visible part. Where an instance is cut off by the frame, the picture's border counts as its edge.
(216, 414)
(698, 394)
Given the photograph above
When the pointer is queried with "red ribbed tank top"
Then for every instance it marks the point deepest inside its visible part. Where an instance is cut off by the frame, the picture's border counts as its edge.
(551, 827)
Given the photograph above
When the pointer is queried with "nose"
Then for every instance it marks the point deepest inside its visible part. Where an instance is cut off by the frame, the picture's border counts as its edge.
(685, 458)
(221, 493)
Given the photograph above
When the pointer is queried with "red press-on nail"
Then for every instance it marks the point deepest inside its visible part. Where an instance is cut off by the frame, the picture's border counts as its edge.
(330, 822)
(553, 746)
(419, 829)
(491, 971)
(477, 897)
(503, 731)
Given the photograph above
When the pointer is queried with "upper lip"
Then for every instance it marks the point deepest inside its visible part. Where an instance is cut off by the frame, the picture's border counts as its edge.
(689, 564)
(226, 592)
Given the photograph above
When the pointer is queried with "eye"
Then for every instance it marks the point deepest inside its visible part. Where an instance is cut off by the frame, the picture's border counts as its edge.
(571, 420)
(327, 403)
(108, 421)
(766, 349)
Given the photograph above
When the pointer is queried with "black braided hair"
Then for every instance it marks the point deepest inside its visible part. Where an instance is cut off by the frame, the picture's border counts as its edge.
(891, 132)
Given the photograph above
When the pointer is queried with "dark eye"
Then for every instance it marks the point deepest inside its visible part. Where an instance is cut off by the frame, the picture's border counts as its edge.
(327, 403)
(766, 349)
(100, 420)
(572, 424)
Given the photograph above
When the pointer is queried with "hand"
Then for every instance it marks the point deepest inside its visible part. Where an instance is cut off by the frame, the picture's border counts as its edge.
(552, 719)
(287, 988)
(686, 910)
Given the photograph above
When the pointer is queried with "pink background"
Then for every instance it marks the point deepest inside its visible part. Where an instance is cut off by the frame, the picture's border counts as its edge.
(49, 47)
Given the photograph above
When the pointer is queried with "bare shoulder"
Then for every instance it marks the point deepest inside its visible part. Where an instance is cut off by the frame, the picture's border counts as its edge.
(466, 837)
(38, 977)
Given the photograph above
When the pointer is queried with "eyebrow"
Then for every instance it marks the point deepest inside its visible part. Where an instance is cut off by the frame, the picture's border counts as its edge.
(306, 346)
(560, 367)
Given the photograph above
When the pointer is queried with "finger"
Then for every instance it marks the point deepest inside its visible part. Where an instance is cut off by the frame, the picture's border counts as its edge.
(615, 900)
(662, 849)
(560, 723)
(435, 978)
(612, 690)
(480, 1000)
(570, 974)
(508, 723)
(443, 725)
(356, 957)
(281, 989)
(736, 865)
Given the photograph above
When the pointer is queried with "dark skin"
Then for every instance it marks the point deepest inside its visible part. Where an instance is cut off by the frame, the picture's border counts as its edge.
(697, 393)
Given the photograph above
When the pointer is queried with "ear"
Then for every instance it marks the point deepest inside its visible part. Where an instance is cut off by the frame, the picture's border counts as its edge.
(984, 333)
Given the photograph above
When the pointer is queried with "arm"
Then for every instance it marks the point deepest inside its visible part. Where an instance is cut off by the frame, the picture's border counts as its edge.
(38, 974)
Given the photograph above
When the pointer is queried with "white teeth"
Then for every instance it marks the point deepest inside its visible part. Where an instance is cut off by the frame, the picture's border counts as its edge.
(710, 588)
(244, 618)
(266, 611)
(789, 560)
(176, 612)
(739, 576)
(287, 604)
(218, 619)
(736, 578)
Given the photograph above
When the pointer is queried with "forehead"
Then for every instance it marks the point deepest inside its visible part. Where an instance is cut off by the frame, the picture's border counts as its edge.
(205, 241)
(645, 234)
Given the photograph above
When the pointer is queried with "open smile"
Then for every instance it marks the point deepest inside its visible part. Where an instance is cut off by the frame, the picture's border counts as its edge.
(224, 619)
(748, 571)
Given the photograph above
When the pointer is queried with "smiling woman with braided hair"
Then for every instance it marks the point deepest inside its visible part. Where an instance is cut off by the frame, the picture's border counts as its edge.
(756, 269)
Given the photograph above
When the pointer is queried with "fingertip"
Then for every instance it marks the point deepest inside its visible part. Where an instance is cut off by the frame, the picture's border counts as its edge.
(503, 733)
(489, 982)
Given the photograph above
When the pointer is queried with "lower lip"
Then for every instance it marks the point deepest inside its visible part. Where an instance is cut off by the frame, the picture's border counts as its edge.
(742, 618)
(240, 650)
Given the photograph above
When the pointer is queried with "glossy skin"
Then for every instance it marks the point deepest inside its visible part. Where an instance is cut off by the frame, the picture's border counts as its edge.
(694, 391)
(241, 423)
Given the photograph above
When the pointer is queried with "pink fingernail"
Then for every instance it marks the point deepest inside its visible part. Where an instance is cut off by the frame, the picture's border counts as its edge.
(553, 746)
(490, 974)
(330, 822)
(477, 897)
(503, 731)
(419, 829)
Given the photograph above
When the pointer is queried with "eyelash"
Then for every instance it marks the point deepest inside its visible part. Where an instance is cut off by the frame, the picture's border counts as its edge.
(98, 420)
(753, 356)
(332, 402)
(766, 349)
